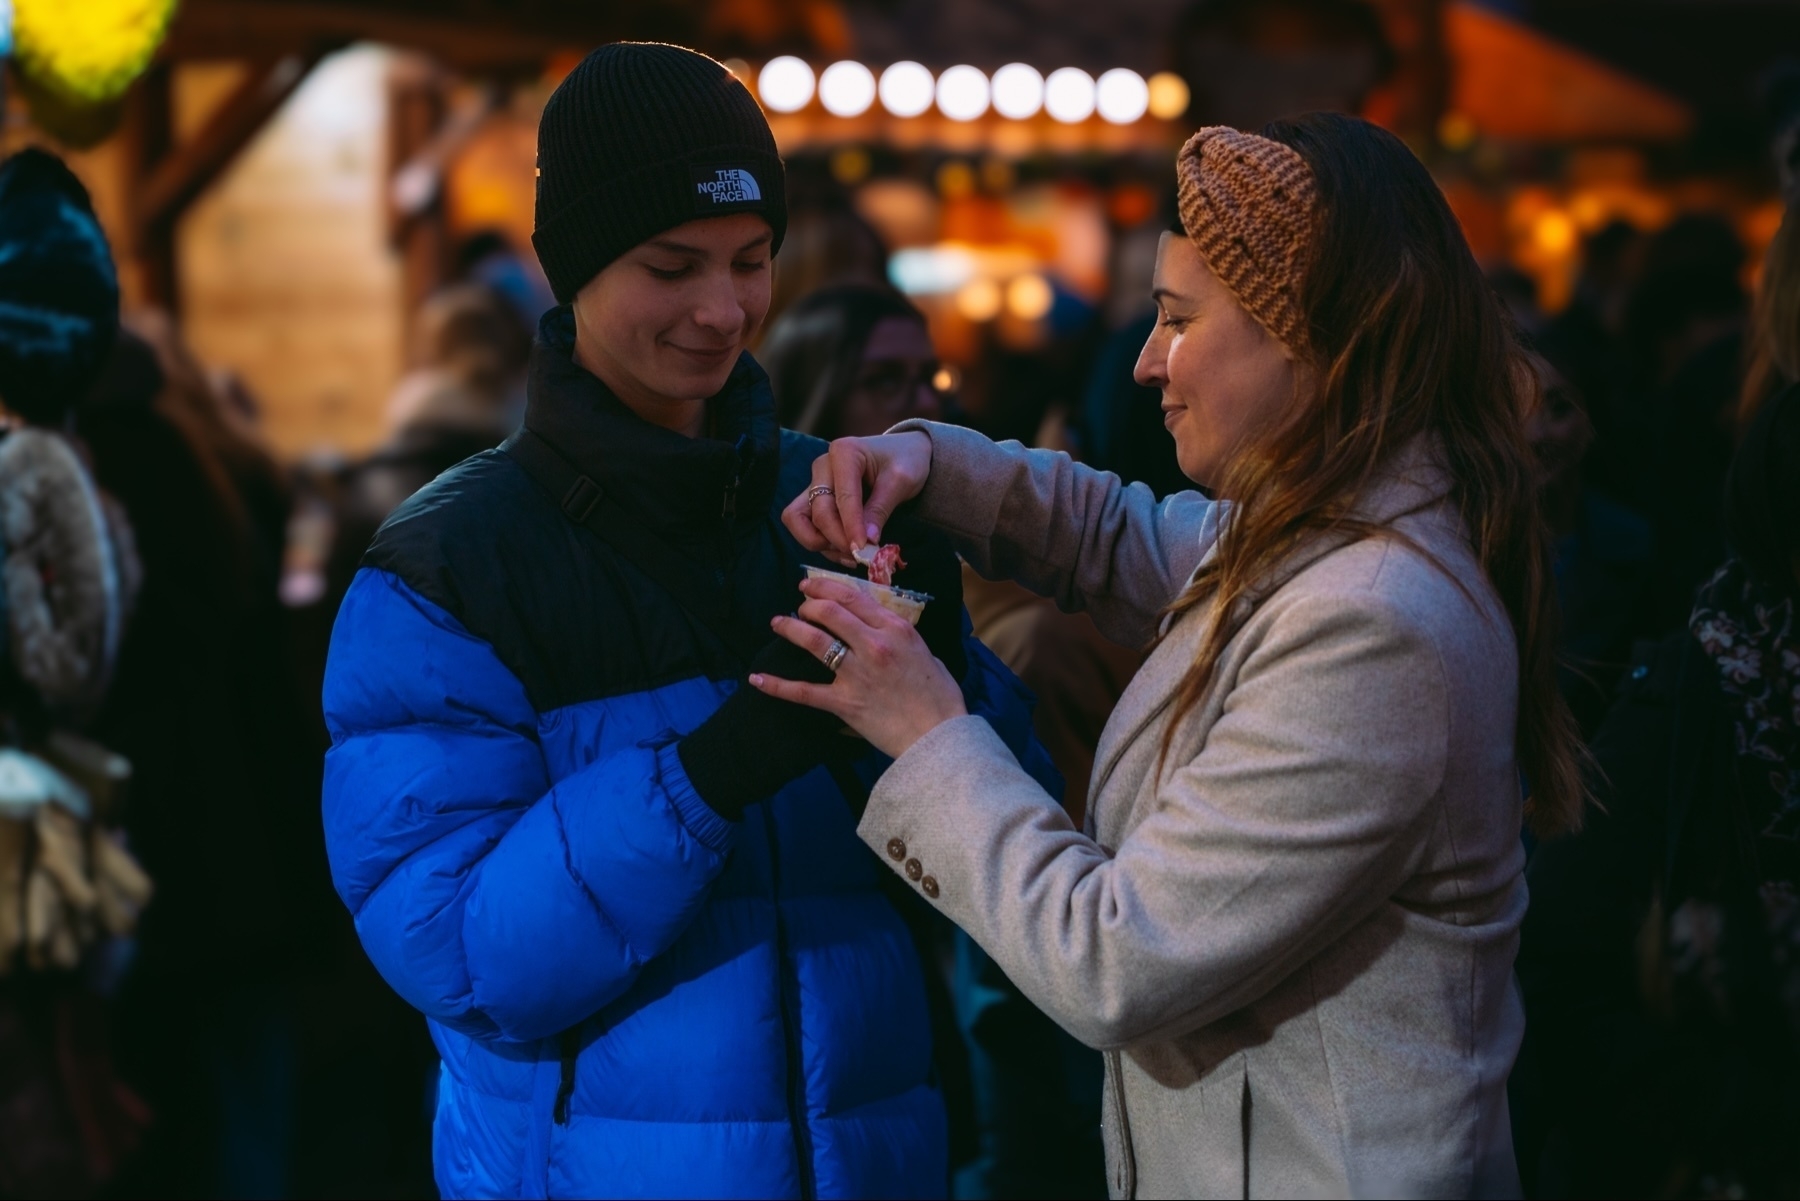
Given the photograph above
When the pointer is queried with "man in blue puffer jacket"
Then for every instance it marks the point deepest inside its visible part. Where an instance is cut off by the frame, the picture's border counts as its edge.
(625, 889)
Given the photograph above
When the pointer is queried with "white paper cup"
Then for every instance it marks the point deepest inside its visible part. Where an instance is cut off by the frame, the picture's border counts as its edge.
(903, 601)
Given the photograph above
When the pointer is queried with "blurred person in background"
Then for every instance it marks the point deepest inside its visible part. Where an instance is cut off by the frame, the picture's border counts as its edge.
(851, 357)
(1683, 341)
(1601, 549)
(465, 393)
(828, 242)
(1774, 345)
(68, 581)
(1585, 342)
(201, 705)
(852, 361)
(489, 259)
(1660, 959)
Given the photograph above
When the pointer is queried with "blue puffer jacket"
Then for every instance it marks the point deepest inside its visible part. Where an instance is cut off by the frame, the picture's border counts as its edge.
(632, 996)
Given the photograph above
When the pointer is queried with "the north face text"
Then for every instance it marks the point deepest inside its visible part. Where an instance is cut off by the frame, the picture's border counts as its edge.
(729, 185)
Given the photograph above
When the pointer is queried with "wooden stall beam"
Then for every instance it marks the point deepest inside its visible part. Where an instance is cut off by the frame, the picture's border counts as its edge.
(192, 167)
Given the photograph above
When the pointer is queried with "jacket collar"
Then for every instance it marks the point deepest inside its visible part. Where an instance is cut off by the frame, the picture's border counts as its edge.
(679, 486)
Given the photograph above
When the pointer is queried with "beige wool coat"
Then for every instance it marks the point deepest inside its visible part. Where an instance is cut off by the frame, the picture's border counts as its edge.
(1295, 943)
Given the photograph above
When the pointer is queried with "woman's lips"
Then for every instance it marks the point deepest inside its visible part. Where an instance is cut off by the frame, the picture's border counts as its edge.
(1170, 414)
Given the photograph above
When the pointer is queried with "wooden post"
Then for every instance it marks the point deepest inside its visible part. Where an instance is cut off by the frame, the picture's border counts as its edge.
(418, 105)
(149, 136)
(169, 176)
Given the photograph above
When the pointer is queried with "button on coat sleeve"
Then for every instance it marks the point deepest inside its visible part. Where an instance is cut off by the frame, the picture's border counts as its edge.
(490, 898)
(1304, 811)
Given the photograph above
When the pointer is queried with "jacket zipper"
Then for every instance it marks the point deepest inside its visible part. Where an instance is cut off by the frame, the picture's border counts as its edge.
(569, 1043)
(790, 1034)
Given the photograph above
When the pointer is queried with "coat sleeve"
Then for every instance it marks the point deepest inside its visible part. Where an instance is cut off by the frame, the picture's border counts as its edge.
(1079, 536)
(493, 899)
(1304, 811)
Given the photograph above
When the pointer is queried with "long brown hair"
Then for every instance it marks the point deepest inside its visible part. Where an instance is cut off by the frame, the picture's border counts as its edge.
(1404, 338)
(1775, 322)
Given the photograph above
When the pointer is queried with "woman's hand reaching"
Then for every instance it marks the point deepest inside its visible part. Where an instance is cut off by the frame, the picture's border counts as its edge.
(833, 517)
(888, 686)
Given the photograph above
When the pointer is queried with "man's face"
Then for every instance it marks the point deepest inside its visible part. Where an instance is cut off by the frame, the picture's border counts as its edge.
(665, 322)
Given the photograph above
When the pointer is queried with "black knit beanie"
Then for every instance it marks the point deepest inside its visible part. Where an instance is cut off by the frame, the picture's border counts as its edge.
(640, 138)
(59, 293)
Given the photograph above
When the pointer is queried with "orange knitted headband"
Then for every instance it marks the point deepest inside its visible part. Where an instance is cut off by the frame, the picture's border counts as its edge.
(1248, 204)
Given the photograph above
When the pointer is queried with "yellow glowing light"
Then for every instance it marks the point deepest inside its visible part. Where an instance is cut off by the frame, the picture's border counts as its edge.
(1028, 297)
(1554, 232)
(1456, 131)
(850, 165)
(955, 179)
(946, 379)
(1168, 96)
(87, 52)
(979, 300)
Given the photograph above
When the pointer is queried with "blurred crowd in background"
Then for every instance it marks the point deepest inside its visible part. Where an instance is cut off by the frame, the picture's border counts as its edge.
(186, 1010)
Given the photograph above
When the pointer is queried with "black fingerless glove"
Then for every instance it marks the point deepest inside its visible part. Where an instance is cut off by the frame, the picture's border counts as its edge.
(933, 568)
(755, 743)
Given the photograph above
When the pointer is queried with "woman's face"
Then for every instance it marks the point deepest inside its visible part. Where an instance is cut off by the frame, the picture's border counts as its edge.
(893, 384)
(663, 324)
(1220, 372)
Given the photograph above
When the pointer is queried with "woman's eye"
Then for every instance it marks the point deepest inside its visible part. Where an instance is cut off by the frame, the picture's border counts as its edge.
(668, 272)
(752, 268)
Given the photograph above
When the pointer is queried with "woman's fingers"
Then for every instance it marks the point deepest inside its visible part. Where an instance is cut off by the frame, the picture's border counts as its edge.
(799, 523)
(848, 612)
(813, 696)
(891, 468)
(903, 463)
(812, 518)
(807, 635)
(850, 467)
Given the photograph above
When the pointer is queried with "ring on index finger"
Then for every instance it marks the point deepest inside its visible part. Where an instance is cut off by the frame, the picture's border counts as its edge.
(835, 654)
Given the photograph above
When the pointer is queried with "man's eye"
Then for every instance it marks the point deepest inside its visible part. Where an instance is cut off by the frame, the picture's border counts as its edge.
(667, 272)
(751, 268)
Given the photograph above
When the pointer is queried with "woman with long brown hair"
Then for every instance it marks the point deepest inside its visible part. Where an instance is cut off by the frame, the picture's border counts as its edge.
(1292, 916)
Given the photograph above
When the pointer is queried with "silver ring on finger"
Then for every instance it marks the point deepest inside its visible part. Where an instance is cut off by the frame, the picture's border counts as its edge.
(834, 655)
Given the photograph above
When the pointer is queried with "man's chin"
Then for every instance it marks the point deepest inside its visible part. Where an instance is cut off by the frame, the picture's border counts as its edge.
(690, 383)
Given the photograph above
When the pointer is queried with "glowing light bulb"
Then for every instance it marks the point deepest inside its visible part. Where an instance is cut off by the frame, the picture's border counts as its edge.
(1018, 91)
(1069, 95)
(785, 84)
(1029, 297)
(962, 93)
(979, 300)
(1122, 96)
(906, 89)
(1168, 96)
(847, 89)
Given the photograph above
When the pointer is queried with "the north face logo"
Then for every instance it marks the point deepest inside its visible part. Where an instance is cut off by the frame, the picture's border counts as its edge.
(729, 185)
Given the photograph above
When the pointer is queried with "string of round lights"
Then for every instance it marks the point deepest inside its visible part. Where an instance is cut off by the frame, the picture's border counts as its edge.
(1016, 91)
